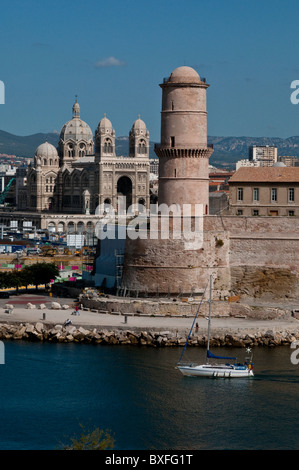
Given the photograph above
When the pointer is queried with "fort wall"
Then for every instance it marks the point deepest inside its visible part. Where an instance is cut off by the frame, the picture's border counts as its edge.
(254, 257)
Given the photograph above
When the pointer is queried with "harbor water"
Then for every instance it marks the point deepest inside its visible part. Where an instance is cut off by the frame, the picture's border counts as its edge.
(49, 391)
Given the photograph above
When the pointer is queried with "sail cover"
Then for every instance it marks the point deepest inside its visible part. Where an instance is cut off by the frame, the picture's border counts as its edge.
(210, 355)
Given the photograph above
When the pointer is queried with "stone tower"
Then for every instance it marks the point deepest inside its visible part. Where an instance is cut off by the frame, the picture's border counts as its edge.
(183, 152)
(76, 139)
(139, 140)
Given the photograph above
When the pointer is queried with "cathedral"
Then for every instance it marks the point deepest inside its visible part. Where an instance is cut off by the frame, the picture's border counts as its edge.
(83, 172)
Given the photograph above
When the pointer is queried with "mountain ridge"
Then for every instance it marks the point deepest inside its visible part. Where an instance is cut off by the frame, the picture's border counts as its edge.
(227, 149)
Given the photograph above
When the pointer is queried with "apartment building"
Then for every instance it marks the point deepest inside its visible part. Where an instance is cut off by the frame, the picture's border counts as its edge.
(265, 154)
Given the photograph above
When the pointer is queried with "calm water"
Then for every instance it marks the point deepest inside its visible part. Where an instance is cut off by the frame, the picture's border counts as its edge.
(48, 390)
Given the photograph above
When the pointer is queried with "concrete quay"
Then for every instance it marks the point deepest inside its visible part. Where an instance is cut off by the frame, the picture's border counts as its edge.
(179, 325)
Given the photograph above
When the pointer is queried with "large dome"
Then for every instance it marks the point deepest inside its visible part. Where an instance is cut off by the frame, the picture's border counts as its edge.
(184, 74)
(46, 150)
(76, 129)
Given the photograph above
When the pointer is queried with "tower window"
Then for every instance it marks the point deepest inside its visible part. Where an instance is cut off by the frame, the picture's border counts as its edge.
(175, 172)
(172, 141)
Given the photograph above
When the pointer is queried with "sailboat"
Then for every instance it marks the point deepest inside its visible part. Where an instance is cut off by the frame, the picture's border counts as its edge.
(215, 369)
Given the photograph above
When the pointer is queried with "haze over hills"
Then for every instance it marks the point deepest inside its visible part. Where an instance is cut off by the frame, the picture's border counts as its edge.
(227, 150)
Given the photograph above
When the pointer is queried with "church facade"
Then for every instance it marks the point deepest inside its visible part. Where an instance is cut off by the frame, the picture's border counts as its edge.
(84, 173)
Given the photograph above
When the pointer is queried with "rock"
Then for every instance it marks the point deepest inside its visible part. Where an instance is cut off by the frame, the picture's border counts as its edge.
(42, 306)
(29, 328)
(83, 331)
(30, 306)
(65, 307)
(39, 327)
(9, 306)
(55, 306)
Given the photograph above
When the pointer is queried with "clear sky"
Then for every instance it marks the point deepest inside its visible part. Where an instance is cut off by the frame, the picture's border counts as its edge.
(113, 54)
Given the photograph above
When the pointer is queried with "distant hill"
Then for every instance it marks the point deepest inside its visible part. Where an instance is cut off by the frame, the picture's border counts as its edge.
(227, 150)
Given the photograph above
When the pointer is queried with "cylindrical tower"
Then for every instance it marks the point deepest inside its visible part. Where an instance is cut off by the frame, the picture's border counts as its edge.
(183, 152)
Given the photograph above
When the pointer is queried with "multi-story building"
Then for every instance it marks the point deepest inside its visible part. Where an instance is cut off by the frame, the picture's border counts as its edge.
(289, 160)
(265, 154)
(268, 191)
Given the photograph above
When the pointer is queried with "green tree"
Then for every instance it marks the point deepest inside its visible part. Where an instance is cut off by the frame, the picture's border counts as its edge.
(42, 273)
(92, 440)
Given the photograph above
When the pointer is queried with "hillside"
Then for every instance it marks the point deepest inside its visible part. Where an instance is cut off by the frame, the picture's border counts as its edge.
(227, 150)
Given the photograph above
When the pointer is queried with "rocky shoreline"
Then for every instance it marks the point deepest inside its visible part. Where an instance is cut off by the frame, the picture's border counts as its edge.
(42, 332)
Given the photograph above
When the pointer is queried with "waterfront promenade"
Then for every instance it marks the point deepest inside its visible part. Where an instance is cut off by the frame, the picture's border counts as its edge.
(90, 319)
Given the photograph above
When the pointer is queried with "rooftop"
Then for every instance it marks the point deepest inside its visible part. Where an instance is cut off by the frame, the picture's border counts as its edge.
(270, 174)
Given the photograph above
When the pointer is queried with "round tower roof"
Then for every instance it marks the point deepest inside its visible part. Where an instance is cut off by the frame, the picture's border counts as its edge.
(139, 124)
(184, 74)
(46, 150)
(105, 123)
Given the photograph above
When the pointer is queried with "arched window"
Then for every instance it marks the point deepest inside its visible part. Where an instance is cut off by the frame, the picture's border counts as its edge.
(108, 146)
(141, 147)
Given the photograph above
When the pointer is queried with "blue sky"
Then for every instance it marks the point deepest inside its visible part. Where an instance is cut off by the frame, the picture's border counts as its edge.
(113, 55)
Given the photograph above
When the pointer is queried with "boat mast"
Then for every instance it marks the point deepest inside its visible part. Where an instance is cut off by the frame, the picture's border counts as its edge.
(209, 319)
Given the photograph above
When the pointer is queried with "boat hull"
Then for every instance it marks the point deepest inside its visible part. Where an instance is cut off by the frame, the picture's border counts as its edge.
(215, 371)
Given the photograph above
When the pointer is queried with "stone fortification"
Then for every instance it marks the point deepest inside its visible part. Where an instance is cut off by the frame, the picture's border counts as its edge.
(40, 332)
(254, 257)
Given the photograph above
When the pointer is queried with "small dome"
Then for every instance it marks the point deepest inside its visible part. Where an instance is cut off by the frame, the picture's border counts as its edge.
(184, 75)
(105, 124)
(76, 109)
(139, 124)
(280, 164)
(46, 150)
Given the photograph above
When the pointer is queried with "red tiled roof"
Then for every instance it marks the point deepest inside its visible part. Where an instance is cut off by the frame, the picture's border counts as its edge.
(269, 174)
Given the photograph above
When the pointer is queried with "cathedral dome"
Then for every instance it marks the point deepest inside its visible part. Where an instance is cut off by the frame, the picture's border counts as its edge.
(139, 125)
(184, 75)
(76, 129)
(46, 150)
(105, 124)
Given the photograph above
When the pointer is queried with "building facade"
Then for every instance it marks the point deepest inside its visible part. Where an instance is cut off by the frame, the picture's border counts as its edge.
(84, 173)
(268, 191)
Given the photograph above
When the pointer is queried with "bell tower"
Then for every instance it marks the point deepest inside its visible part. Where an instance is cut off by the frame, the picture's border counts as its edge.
(183, 152)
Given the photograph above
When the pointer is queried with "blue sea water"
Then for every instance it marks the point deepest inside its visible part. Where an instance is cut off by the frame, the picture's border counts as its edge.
(48, 391)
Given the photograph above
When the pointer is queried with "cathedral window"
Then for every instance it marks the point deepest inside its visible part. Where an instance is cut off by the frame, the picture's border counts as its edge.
(107, 146)
(172, 141)
(141, 147)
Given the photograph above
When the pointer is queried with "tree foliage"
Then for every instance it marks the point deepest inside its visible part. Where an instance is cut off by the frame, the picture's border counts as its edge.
(38, 273)
(96, 439)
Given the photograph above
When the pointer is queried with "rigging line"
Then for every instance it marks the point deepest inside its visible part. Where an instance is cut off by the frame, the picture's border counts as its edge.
(193, 322)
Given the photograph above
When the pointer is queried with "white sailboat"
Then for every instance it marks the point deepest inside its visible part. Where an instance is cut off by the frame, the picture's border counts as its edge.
(212, 369)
